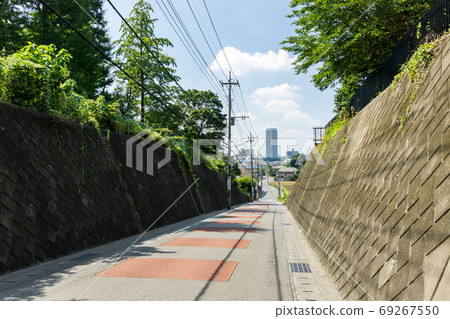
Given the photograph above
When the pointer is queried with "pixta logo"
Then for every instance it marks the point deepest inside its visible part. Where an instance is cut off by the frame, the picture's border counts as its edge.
(139, 152)
(138, 144)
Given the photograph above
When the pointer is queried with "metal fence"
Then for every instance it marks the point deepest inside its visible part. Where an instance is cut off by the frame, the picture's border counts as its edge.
(434, 23)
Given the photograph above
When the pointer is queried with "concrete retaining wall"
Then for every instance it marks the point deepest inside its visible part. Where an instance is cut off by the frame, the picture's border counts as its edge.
(64, 188)
(377, 212)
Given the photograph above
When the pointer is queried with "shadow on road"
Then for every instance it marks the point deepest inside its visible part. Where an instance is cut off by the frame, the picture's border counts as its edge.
(31, 283)
(208, 283)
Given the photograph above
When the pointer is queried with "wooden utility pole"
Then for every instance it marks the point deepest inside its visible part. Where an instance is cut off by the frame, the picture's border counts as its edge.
(251, 166)
(279, 185)
(258, 177)
(229, 84)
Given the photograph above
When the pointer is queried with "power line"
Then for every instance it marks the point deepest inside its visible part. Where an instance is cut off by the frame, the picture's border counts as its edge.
(154, 56)
(189, 38)
(240, 110)
(245, 107)
(146, 46)
(175, 11)
(217, 36)
(204, 37)
(226, 58)
(186, 43)
(109, 59)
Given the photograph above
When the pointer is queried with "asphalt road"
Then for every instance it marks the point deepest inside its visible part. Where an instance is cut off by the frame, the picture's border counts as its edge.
(240, 254)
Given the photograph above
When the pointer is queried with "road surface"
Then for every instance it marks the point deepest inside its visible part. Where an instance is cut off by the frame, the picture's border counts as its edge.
(251, 252)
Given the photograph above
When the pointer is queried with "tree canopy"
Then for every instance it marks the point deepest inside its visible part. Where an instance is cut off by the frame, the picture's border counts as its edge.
(347, 40)
(204, 108)
(47, 66)
(297, 160)
(12, 22)
(141, 64)
(24, 21)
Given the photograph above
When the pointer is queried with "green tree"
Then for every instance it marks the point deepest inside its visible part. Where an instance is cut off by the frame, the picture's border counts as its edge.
(35, 76)
(141, 64)
(87, 67)
(345, 48)
(13, 23)
(245, 185)
(270, 170)
(235, 170)
(203, 111)
(38, 77)
(297, 159)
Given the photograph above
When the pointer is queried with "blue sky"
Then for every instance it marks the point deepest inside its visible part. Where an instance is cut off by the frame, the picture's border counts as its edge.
(251, 32)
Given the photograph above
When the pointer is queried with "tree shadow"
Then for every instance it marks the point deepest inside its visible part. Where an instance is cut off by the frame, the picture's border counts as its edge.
(31, 283)
(208, 283)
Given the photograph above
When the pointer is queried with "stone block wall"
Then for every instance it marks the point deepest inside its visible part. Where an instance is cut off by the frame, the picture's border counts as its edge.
(377, 213)
(65, 187)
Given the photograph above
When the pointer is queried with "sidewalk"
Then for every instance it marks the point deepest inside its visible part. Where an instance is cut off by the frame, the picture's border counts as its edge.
(252, 252)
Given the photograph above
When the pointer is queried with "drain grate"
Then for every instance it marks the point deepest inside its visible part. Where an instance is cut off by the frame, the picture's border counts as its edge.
(299, 267)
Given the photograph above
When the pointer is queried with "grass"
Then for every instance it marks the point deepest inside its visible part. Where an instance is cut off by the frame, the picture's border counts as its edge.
(288, 185)
(286, 191)
(332, 130)
(417, 68)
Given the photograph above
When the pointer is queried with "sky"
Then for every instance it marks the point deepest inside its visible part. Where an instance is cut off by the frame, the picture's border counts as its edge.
(270, 93)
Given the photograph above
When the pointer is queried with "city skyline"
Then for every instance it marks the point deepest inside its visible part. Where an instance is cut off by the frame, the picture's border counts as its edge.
(271, 143)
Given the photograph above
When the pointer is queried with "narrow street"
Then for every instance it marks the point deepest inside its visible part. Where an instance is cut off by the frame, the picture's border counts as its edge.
(251, 252)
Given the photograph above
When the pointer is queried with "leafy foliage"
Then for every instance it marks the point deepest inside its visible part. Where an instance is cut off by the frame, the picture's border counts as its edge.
(297, 160)
(417, 68)
(88, 68)
(245, 185)
(141, 65)
(39, 77)
(205, 109)
(36, 75)
(29, 20)
(348, 39)
(12, 22)
(270, 170)
(331, 131)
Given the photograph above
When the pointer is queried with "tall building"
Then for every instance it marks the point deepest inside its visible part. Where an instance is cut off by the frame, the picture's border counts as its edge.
(271, 142)
(290, 153)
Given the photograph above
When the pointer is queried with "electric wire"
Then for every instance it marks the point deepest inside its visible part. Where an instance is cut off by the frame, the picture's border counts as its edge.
(226, 58)
(154, 56)
(204, 37)
(180, 20)
(189, 49)
(80, 34)
(147, 47)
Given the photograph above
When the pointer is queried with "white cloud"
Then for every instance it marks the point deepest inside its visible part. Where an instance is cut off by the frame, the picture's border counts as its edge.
(281, 106)
(244, 62)
(283, 100)
(297, 115)
(280, 99)
(284, 91)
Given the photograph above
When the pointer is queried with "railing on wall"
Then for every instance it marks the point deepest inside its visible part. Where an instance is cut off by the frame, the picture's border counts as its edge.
(434, 23)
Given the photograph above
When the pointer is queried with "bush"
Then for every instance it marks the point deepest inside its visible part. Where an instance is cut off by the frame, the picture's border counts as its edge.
(245, 185)
(38, 77)
(34, 76)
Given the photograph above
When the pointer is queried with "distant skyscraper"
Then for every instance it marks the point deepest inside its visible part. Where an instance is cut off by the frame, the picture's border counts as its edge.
(290, 153)
(271, 142)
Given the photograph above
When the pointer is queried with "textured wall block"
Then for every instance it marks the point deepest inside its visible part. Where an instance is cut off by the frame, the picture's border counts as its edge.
(65, 187)
(382, 208)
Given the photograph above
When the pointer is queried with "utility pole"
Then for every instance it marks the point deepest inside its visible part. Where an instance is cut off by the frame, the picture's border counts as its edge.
(261, 173)
(279, 185)
(258, 178)
(251, 166)
(229, 84)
